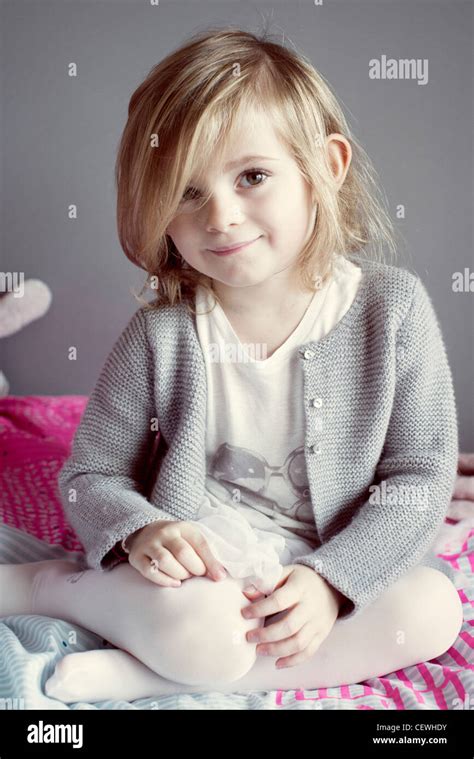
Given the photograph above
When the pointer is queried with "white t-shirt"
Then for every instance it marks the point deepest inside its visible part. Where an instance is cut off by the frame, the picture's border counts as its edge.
(255, 429)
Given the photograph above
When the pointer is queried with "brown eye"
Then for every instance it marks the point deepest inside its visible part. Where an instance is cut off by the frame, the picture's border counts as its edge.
(192, 194)
(256, 173)
(188, 192)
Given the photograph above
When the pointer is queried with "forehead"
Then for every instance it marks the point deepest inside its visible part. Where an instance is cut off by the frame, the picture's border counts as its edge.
(252, 133)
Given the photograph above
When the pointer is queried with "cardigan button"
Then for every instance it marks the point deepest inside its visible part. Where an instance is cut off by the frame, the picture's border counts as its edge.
(317, 402)
(308, 353)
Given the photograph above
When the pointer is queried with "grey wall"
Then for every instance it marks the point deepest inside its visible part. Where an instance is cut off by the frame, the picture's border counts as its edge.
(59, 137)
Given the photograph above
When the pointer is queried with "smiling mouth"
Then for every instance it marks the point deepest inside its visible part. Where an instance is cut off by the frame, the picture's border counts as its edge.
(233, 249)
(228, 251)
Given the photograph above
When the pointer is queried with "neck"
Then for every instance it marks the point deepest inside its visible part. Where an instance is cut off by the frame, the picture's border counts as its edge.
(265, 299)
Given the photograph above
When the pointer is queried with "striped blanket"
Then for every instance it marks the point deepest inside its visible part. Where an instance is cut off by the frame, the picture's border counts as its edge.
(31, 645)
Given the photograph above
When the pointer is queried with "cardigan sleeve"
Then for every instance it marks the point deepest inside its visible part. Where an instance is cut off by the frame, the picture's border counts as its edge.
(390, 534)
(102, 483)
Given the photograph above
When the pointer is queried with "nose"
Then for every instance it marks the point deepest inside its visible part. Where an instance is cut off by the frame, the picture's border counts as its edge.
(222, 212)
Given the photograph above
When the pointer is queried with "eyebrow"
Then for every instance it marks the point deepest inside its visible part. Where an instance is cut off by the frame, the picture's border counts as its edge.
(246, 158)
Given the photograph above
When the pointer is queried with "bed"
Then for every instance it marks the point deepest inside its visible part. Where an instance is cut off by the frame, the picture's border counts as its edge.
(35, 438)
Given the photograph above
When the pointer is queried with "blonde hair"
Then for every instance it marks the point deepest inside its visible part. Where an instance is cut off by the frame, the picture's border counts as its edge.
(179, 119)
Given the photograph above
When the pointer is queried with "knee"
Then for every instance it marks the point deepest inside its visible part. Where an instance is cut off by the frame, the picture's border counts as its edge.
(208, 644)
(447, 612)
(434, 614)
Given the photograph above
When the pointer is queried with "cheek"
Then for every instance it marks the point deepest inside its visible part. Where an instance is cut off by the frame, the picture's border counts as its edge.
(284, 206)
(297, 211)
(179, 230)
(176, 224)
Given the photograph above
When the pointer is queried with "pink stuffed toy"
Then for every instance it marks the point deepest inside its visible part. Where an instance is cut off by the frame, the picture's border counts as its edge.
(19, 309)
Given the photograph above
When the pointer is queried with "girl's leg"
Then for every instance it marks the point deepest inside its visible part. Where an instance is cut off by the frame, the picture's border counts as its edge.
(109, 674)
(415, 620)
(191, 634)
(16, 581)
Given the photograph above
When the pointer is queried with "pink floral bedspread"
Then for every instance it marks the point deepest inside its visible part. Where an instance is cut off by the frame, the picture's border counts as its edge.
(36, 433)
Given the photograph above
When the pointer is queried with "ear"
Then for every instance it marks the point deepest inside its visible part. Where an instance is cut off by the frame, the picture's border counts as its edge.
(340, 156)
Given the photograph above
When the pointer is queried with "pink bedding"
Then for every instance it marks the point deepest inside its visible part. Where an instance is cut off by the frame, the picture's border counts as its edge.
(35, 439)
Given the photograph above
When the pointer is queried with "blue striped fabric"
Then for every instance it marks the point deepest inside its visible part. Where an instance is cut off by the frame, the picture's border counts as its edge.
(30, 646)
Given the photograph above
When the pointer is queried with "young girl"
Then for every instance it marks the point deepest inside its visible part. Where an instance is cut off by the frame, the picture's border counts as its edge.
(299, 392)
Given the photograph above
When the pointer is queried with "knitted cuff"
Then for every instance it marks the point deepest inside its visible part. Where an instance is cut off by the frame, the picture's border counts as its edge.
(119, 551)
(123, 546)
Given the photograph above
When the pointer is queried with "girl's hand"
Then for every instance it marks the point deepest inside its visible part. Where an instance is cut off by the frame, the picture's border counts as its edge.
(313, 607)
(180, 551)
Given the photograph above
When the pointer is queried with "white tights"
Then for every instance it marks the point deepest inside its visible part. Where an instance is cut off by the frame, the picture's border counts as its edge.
(193, 638)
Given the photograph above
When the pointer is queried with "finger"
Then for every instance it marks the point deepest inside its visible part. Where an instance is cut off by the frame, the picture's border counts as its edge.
(301, 657)
(143, 565)
(168, 564)
(253, 595)
(279, 600)
(185, 555)
(200, 545)
(289, 646)
(280, 630)
(285, 573)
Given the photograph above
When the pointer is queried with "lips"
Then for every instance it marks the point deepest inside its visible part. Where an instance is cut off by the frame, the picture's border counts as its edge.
(232, 248)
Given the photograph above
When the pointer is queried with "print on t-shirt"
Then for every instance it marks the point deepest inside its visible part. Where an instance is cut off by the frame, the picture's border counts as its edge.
(245, 475)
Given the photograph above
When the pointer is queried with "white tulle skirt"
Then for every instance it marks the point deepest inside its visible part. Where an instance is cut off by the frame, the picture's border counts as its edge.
(248, 543)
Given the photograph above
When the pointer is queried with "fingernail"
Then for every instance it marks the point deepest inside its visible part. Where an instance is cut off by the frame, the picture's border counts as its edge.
(176, 584)
(221, 574)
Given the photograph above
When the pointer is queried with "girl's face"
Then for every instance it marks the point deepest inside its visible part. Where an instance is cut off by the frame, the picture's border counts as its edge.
(263, 199)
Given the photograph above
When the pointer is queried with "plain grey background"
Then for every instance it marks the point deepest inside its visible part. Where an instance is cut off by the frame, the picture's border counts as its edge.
(59, 137)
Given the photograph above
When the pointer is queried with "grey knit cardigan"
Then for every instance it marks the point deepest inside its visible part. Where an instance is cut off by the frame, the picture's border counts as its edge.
(381, 461)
